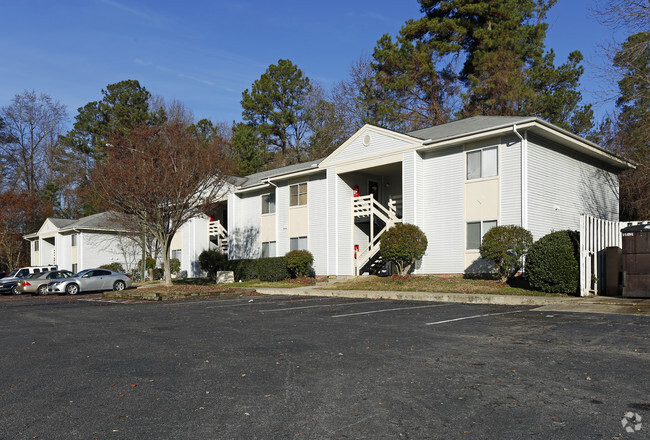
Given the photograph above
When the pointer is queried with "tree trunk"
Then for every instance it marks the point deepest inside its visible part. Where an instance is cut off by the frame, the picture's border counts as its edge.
(168, 273)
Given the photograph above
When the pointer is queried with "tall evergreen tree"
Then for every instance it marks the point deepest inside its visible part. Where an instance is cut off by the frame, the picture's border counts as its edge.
(276, 106)
(495, 50)
(629, 131)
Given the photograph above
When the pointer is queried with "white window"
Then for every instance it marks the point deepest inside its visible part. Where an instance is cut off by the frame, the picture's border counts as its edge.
(74, 239)
(482, 163)
(74, 267)
(36, 246)
(268, 203)
(298, 243)
(476, 231)
(268, 249)
(176, 253)
(298, 194)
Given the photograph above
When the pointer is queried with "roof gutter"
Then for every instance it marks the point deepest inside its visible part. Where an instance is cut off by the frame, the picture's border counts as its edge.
(267, 180)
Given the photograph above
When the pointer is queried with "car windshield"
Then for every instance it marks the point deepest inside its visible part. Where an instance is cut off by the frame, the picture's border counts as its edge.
(82, 273)
(12, 273)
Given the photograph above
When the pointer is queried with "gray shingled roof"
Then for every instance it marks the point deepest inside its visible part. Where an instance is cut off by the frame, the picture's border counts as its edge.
(60, 222)
(467, 126)
(103, 220)
(257, 178)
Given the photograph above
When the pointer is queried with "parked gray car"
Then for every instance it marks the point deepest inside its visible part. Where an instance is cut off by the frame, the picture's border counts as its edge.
(36, 284)
(90, 280)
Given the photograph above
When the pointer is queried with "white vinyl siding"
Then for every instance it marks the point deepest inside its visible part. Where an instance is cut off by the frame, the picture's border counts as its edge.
(563, 184)
(282, 213)
(317, 224)
(441, 211)
(244, 234)
(379, 143)
(510, 181)
(331, 206)
(411, 180)
(345, 247)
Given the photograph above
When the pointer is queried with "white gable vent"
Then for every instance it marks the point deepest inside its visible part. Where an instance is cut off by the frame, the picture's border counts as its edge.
(366, 139)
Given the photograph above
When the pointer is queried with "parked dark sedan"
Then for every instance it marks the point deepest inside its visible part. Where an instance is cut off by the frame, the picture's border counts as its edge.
(37, 284)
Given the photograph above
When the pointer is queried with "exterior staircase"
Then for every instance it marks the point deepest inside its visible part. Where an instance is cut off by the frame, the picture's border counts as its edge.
(381, 218)
(219, 235)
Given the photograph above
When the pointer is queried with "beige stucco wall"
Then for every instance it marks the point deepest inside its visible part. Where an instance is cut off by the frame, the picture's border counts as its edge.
(74, 253)
(298, 221)
(482, 197)
(268, 227)
(177, 240)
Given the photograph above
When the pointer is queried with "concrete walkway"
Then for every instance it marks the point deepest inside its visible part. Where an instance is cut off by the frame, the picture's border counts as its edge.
(596, 304)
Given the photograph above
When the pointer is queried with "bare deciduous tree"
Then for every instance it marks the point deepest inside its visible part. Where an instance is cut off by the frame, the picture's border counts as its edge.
(162, 177)
(33, 124)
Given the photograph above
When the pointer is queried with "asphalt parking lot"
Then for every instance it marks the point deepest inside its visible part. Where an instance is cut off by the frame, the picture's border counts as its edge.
(260, 367)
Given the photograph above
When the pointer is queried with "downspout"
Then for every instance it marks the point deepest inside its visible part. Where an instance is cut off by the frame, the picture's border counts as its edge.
(524, 176)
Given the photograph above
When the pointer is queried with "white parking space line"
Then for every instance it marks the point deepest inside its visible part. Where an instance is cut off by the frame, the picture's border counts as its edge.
(252, 302)
(319, 305)
(390, 310)
(477, 316)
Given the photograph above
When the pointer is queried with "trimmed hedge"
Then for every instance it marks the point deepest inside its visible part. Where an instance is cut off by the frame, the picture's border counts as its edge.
(299, 263)
(552, 263)
(272, 269)
(244, 269)
(212, 261)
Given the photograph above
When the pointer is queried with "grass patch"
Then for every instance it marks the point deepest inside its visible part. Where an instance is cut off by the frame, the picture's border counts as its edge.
(432, 283)
(286, 284)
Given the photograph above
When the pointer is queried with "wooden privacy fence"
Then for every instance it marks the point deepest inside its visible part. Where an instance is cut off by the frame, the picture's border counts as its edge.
(596, 235)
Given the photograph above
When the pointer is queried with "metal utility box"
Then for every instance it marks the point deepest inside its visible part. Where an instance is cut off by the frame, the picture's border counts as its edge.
(636, 261)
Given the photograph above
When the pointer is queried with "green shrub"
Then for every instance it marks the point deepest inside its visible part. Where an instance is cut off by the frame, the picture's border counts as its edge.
(299, 263)
(552, 263)
(242, 269)
(150, 263)
(272, 269)
(505, 246)
(212, 261)
(174, 265)
(158, 273)
(114, 266)
(403, 244)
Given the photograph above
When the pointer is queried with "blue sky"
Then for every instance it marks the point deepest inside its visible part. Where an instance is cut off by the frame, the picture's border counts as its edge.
(206, 53)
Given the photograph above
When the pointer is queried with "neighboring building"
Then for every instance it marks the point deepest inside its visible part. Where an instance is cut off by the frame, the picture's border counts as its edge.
(455, 181)
(100, 239)
(85, 243)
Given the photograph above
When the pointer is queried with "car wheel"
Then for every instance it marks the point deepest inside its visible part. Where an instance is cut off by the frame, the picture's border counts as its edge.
(42, 290)
(72, 289)
(15, 291)
(119, 285)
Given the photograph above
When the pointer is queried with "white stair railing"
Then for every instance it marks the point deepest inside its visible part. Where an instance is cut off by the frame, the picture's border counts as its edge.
(367, 206)
(216, 229)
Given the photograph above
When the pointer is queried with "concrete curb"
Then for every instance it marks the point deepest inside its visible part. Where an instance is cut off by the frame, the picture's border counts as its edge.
(465, 298)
